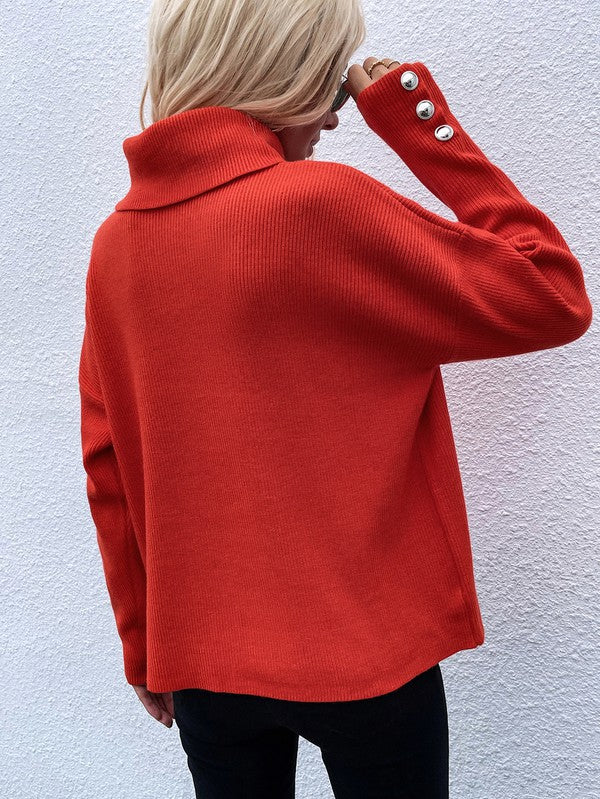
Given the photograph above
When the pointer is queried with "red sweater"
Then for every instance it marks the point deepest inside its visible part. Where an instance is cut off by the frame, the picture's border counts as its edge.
(270, 462)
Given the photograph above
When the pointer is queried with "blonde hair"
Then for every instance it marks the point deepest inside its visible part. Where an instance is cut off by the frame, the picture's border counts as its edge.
(280, 61)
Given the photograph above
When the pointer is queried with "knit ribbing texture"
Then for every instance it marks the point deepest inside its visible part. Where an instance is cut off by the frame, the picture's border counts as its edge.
(270, 462)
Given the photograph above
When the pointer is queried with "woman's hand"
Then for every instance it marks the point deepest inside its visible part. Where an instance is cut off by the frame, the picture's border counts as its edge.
(358, 76)
(160, 706)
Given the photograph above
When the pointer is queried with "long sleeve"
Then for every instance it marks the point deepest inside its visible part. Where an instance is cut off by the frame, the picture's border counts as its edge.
(123, 566)
(500, 281)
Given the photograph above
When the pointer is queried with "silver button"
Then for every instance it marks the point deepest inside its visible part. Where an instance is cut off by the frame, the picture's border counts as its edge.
(425, 109)
(443, 132)
(409, 80)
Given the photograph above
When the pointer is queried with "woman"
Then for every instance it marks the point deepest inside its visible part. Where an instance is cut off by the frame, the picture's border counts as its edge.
(271, 467)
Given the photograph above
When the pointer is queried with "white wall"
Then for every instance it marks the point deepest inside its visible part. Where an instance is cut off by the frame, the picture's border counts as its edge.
(524, 709)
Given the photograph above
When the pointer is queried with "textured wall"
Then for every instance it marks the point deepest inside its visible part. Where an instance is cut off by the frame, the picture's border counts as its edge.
(524, 708)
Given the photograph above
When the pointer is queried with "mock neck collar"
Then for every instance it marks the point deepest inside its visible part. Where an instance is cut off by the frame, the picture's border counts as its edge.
(188, 153)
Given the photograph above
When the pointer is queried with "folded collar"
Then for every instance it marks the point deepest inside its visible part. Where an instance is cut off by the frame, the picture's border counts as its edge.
(193, 151)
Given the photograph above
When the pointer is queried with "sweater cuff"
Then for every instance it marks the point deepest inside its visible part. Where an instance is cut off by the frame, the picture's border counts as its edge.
(134, 656)
(419, 126)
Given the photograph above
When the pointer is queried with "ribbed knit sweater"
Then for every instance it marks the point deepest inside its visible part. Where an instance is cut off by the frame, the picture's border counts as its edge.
(270, 462)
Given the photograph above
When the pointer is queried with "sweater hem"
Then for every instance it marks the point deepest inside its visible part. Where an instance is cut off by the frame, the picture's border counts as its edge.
(320, 693)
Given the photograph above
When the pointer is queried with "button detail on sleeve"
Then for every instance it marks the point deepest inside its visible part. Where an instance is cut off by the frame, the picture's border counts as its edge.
(443, 132)
(409, 80)
(425, 109)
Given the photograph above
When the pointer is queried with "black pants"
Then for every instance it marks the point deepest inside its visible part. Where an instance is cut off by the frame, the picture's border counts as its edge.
(392, 746)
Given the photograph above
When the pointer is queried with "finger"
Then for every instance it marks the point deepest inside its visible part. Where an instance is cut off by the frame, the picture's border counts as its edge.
(357, 80)
(391, 64)
(166, 717)
(153, 708)
(159, 714)
(155, 704)
(374, 71)
(149, 702)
